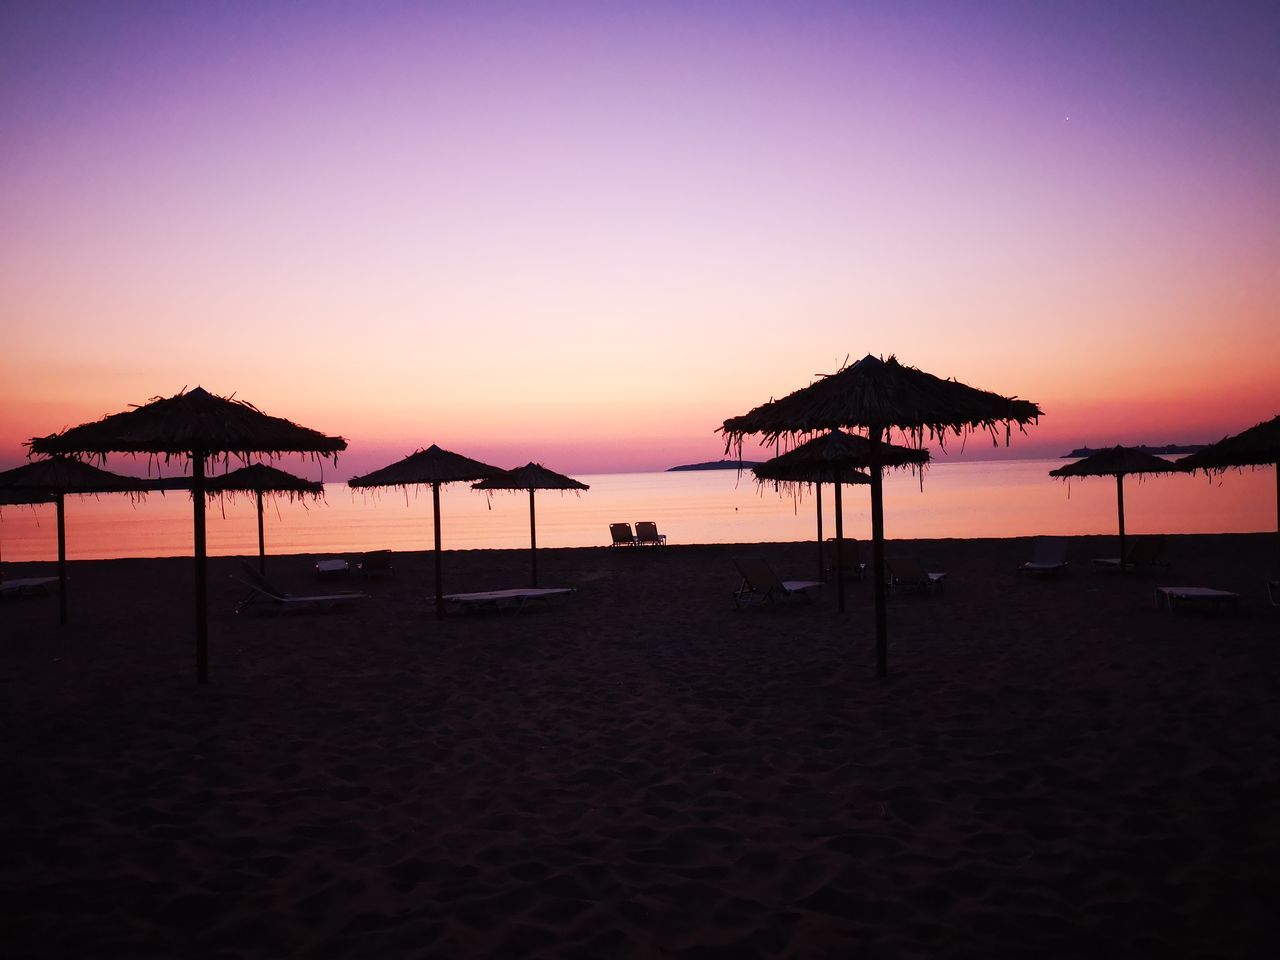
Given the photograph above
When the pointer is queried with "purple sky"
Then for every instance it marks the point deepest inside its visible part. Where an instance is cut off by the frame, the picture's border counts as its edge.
(588, 233)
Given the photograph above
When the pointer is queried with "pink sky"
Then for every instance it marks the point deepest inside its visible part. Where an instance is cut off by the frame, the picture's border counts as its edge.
(587, 234)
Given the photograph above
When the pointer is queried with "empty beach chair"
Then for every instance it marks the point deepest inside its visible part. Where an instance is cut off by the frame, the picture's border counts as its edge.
(332, 567)
(1146, 553)
(647, 533)
(376, 563)
(854, 567)
(515, 599)
(622, 535)
(25, 586)
(262, 593)
(908, 572)
(1197, 598)
(1048, 556)
(760, 583)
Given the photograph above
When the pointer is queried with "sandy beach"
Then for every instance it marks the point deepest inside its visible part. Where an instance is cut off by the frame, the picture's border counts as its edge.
(1055, 767)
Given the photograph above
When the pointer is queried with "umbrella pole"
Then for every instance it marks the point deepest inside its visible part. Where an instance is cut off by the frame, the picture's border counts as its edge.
(435, 508)
(262, 549)
(533, 538)
(817, 489)
(839, 546)
(1120, 507)
(877, 553)
(202, 597)
(62, 558)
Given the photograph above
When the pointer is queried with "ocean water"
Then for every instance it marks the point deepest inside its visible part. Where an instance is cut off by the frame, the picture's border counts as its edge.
(1008, 498)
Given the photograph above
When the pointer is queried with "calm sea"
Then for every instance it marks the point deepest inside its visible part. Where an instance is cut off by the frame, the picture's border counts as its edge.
(1007, 498)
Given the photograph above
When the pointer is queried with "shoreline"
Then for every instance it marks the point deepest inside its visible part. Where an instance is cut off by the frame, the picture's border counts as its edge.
(1054, 767)
(1100, 540)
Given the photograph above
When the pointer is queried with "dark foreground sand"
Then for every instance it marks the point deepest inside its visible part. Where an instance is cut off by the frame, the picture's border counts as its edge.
(1055, 768)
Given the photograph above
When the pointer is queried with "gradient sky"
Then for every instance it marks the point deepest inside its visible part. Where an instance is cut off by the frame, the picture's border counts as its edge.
(586, 234)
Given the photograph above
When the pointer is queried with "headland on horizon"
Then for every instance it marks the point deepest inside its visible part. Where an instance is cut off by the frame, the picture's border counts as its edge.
(715, 465)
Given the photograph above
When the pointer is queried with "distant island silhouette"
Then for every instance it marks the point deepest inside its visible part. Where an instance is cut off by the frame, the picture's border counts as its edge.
(716, 465)
(1165, 450)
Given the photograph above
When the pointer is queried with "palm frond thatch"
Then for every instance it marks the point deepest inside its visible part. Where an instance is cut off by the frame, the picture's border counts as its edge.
(430, 466)
(1116, 462)
(1255, 447)
(61, 475)
(192, 421)
(532, 476)
(820, 459)
(261, 478)
(881, 395)
(20, 498)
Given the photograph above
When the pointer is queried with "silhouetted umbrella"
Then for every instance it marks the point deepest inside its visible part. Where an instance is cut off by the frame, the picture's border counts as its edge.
(1117, 462)
(196, 425)
(879, 396)
(1259, 446)
(531, 477)
(434, 467)
(834, 458)
(52, 479)
(259, 478)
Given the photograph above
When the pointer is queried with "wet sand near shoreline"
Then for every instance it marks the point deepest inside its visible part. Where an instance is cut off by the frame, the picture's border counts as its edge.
(1055, 767)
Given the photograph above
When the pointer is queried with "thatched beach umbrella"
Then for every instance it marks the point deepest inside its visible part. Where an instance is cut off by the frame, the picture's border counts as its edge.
(195, 425)
(1259, 446)
(1117, 462)
(834, 458)
(879, 396)
(434, 467)
(531, 477)
(259, 478)
(52, 479)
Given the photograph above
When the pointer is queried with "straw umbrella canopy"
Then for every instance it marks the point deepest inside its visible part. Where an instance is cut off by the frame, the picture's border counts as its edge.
(51, 479)
(834, 458)
(196, 425)
(259, 478)
(1259, 446)
(531, 477)
(1117, 462)
(432, 467)
(880, 396)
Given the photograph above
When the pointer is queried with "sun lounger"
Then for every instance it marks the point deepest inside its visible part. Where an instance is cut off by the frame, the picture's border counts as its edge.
(907, 572)
(1048, 556)
(622, 535)
(335, 567)
(1146, 553)
(1273, 592)
(25, 586)
(376, 563)
(647, 534)
(1205, 598)
(854, 568)
(514, 599)
(261, 592)
(761, 584)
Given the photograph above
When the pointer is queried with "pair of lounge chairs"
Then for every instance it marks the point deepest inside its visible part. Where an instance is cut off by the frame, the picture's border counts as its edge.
(262, 594)
(646, 535)
(1049, 556)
